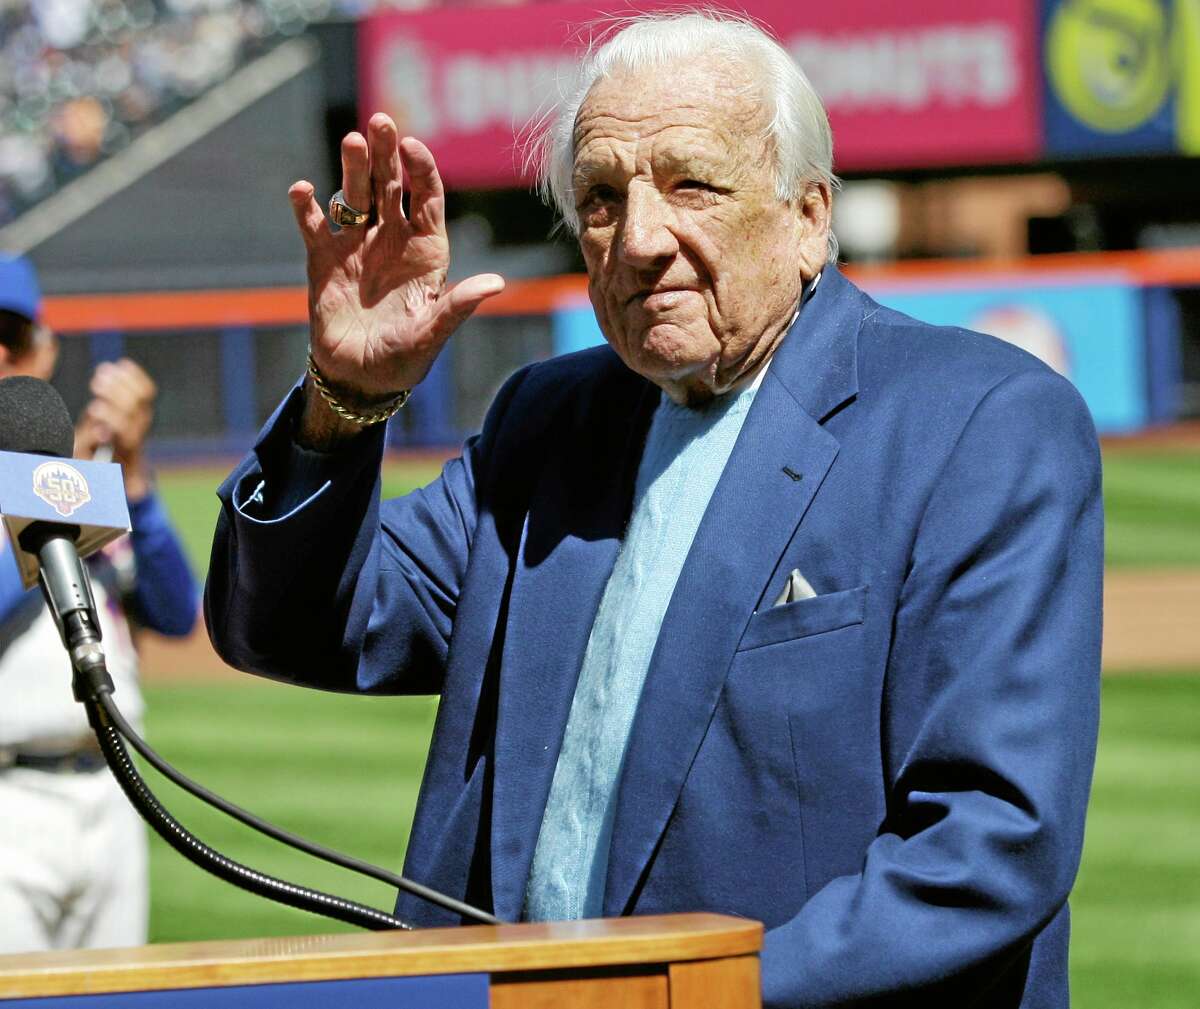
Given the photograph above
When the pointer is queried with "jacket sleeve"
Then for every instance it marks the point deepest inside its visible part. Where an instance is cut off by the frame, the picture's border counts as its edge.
(313, 581)
(13, 594)
(164, 596)
(990, 712)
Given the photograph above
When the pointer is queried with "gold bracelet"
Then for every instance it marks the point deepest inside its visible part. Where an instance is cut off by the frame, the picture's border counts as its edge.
(378, 416)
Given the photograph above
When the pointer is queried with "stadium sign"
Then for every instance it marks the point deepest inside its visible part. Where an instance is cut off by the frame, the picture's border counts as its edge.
(1121, 76)
(909, 85)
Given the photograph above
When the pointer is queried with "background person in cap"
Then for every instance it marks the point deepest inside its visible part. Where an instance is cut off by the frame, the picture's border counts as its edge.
(26, 346)
(72, 851)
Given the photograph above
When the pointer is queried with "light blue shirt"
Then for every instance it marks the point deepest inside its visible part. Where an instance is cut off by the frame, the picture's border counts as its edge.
(685, 454)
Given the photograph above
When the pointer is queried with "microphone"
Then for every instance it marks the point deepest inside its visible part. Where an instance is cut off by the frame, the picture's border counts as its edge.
(39, 489)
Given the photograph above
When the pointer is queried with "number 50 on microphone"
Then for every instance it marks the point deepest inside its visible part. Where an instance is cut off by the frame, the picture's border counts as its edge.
(66, 492)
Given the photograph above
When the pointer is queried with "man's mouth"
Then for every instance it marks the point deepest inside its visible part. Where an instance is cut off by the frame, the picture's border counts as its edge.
(661, 298)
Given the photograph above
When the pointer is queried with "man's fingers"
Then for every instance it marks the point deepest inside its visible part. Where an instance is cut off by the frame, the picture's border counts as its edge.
(89, 435)
(310, 218)
(106, 382)
(386, 174)
(103, 418)
(137, 378)
(124, 381)
(427, 209)
(463, 298)
(356, 172)
(90, 423)
(108, 412)
(475, 289)
(126, 429)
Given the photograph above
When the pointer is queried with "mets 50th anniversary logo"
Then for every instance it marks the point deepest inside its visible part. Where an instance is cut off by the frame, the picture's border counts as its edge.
(61, 486)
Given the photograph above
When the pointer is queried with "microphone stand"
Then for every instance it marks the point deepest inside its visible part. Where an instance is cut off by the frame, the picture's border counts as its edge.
(207, 858)
(68, 592)
(93, 687)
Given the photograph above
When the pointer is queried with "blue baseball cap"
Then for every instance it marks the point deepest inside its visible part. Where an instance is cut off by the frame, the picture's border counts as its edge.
(19, 290)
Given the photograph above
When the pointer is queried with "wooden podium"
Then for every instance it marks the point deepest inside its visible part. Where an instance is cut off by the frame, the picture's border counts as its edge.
(686, 961)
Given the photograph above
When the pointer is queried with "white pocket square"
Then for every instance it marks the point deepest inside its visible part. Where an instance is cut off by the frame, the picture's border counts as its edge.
(797, 588)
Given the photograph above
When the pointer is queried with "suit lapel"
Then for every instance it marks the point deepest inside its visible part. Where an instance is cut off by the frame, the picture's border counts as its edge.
(777, 466)
(568, 547)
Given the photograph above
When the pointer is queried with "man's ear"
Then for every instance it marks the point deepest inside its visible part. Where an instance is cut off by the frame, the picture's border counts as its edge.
(814, 218)
(5, 358)
(817, 207)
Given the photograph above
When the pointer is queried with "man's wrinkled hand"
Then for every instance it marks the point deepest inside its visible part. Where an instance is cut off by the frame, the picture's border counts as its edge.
(379, 304)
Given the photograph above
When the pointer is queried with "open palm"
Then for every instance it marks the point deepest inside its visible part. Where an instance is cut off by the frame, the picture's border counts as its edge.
(378, 302)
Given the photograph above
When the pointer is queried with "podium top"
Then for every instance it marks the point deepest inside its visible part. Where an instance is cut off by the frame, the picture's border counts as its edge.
(470, 949)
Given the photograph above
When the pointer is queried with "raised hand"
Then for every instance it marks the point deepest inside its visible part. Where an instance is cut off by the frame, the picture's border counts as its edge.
(119, 416)
(379, 305)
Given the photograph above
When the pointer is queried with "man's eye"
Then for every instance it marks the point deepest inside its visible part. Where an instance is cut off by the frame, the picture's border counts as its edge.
(699, 186)
(598, 206)
(599, 194)
(695, 192)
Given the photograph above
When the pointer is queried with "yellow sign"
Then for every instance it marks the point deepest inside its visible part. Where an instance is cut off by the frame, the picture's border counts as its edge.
(1187, 75)
(1113, 64)
(1109, 61)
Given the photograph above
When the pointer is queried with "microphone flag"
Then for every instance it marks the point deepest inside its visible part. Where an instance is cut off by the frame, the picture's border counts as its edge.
(70, 492)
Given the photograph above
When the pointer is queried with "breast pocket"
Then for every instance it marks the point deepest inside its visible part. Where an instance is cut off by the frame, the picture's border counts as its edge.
(804, 618)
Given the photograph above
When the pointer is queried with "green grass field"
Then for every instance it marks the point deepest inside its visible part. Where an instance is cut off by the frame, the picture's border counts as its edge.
(339, 770)
(345, 771)
(1152, 508)
(1136, 907)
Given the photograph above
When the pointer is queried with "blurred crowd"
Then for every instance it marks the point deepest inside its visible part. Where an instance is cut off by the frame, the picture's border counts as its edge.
(80, 79)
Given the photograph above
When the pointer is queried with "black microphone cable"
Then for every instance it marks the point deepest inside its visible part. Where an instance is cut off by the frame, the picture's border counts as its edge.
(93, 688)
(207, 858)
(33, 419)
(278, 833)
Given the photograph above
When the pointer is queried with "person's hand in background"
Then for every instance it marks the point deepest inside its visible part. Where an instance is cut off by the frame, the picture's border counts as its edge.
(119, 417)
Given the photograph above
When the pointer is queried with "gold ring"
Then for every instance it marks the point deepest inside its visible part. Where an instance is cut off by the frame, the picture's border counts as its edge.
(344, 215)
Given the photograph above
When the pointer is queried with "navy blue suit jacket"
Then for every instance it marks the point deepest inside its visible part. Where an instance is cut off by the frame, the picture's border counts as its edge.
(892, 776)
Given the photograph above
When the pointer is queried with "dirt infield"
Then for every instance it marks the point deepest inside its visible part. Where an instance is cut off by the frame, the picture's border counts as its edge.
(170, 660)
(1183, 435)
(1151, 622)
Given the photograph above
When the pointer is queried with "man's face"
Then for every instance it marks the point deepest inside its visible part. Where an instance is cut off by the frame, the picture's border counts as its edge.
(695, 266)
(38, 361)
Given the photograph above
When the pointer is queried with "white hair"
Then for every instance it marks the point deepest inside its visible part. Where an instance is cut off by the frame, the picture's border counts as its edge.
(798, 128)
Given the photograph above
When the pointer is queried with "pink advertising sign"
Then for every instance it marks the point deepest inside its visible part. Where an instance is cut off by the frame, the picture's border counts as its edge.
(906, 85)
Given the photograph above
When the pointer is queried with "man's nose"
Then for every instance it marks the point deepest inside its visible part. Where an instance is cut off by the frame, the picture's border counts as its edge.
(646, 238)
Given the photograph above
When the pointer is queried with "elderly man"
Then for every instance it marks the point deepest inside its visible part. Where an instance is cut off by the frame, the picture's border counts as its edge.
(783, 604)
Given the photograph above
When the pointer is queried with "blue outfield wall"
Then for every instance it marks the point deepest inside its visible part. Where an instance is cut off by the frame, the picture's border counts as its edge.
(1163, 327)
(1093, 333)
(1119, 343)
